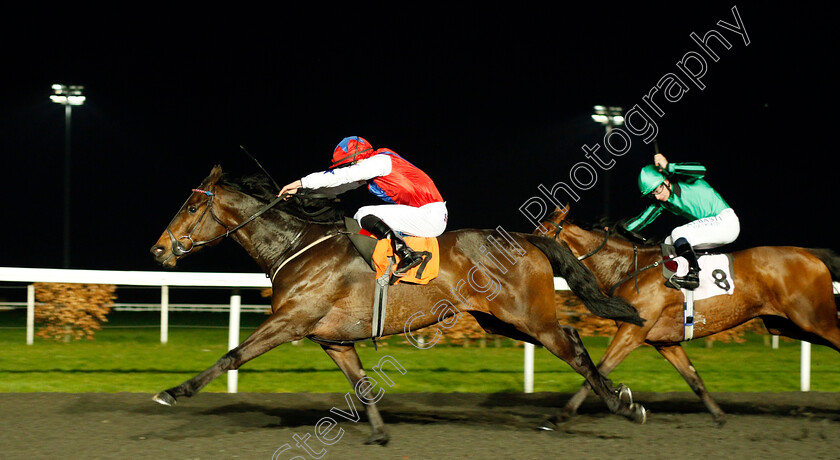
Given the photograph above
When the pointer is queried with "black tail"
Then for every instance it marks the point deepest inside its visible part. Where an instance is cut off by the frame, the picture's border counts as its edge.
(583, 283)
(830, 259)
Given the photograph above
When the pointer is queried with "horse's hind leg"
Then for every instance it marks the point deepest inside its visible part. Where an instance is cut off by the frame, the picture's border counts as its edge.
(348, 361)
(565, 343)
(675, 354)
(271, 333)
(814, 319)
(628, 338)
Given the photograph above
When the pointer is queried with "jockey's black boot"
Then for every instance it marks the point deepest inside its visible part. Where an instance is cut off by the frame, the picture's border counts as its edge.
(408, 258)
(691, 280)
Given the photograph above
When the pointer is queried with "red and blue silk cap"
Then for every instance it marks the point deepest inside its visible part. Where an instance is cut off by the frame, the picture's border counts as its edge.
(349, 149)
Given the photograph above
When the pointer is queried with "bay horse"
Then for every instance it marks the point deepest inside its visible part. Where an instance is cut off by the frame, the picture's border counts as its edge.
(323, 290)
(789, 288)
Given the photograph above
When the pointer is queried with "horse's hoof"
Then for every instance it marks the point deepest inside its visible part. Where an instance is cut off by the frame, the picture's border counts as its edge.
(547, 426)
(164, 398)
(624, 394)
(552, 423)
(378, 438)
(639, 414)
(720, 420)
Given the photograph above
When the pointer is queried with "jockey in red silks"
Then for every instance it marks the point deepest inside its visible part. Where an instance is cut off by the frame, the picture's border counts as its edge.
(415, 207)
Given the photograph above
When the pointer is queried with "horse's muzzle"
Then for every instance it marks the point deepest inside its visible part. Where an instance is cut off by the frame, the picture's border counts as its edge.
(163, 256)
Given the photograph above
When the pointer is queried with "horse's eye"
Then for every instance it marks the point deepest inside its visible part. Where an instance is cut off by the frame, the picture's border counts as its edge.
(192, 209)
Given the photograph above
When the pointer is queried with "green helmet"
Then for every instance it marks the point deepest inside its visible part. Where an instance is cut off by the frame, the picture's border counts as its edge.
(649, 179)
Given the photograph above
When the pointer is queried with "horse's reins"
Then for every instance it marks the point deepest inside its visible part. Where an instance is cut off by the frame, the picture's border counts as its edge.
(178, 248)
(634, 274)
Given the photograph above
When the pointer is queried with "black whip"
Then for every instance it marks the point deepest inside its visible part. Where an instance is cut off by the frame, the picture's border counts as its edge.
(260, 166)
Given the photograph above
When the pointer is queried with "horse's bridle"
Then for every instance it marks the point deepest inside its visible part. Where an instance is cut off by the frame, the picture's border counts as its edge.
(636, 270)
(559, 228)
(178, 248)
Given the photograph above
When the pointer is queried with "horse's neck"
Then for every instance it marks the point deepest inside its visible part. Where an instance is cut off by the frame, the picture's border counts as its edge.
(274, 235)
(613, 261)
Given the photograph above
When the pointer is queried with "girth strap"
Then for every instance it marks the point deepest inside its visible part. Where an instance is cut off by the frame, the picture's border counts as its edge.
(688, 315)
(633, 275)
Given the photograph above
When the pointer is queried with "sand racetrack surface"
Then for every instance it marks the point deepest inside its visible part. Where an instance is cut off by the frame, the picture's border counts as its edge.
(422, 426)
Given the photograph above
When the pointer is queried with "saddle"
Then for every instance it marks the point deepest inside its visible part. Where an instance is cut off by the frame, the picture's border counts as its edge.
(380, 257)
(716, 273)
(715, 279)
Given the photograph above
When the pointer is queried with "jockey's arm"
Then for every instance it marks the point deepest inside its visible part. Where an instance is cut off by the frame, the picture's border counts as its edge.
(693, 170)
(644, 219)
(369, 168)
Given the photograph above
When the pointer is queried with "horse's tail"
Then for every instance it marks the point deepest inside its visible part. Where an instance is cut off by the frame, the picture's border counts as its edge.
(830, 259)
(583, 282)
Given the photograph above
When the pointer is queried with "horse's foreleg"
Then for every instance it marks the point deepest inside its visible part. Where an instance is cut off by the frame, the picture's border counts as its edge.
(565, 343)
(675, 354)
(268, 335)
(627, 339)
(348, 361)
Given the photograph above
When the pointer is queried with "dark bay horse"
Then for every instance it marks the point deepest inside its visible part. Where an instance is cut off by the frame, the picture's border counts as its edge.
(323, 290)
(789, 288)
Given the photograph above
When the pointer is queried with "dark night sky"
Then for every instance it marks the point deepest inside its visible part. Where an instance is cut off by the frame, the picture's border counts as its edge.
(490, 103)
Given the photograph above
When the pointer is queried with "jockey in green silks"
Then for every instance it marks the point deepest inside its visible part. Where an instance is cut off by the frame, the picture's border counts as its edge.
(679, 188)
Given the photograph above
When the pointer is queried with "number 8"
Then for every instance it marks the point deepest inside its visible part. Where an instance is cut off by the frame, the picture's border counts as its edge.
(720, 279)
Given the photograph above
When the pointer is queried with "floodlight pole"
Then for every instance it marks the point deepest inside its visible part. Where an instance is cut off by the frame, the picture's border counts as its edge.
(68, 111)
(608, 116)
(68, 96)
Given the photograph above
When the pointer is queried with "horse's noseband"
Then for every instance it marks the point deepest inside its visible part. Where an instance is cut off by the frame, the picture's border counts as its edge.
(178, 248)
(557, 225)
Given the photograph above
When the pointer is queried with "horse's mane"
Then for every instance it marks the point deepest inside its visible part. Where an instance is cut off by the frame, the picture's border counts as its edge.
(312, 207)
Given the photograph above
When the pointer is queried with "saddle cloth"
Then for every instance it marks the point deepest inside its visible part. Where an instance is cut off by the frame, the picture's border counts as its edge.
(715, 274)
(376, 253)
(421, 274)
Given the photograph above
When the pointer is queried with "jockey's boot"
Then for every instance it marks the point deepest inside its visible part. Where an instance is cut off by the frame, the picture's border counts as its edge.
(691, 280)
(408, 258)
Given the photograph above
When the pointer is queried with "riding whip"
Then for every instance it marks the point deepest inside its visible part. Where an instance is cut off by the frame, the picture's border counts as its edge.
(260, 166)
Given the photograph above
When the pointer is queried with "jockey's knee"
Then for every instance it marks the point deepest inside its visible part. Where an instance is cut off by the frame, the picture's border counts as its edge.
(363, 212)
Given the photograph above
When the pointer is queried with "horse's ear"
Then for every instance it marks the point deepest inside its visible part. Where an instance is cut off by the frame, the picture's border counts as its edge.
(562, 212)
(216, 172)
(214, 176)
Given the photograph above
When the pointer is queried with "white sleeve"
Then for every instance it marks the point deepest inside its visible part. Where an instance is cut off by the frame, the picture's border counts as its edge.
(375, 166)
(339, 189)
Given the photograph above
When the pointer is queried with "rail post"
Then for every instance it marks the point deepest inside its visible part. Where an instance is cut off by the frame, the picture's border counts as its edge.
(164, 314)
(233, 337)
(30, 314)
(529, 367)
(805, 363)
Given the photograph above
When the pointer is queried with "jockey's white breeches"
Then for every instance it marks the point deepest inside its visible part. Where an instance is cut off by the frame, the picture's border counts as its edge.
(428, 220)
(709, 232)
